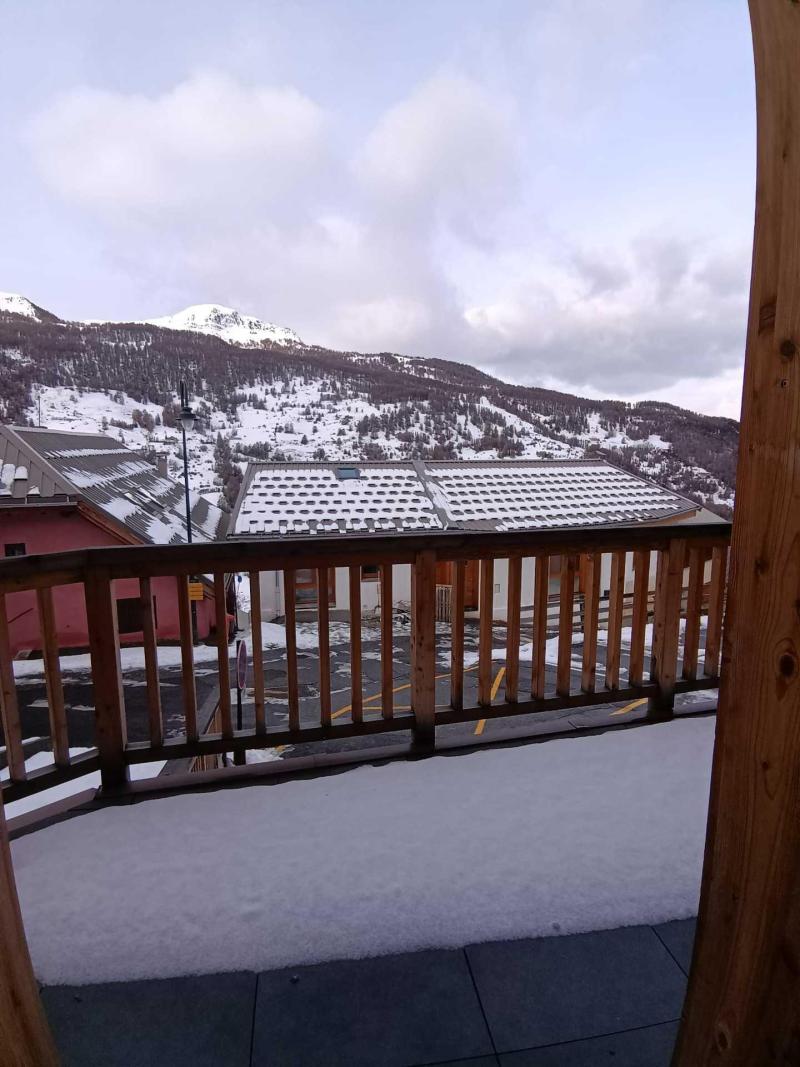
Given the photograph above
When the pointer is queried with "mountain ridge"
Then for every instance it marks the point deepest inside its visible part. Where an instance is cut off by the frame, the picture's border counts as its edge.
(268, 395)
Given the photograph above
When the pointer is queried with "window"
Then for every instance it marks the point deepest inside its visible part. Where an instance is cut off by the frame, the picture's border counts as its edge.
(370, 574)
(345, 474)
(129, 614)
(16, 549)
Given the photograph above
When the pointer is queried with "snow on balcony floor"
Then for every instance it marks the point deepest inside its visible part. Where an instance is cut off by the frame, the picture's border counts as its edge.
(553, 838)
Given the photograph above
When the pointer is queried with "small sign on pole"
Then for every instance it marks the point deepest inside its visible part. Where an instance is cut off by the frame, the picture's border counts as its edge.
(195, 590)
(241, 664)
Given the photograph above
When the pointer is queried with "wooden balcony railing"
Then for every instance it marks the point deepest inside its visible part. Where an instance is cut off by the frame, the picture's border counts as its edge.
(687, 564)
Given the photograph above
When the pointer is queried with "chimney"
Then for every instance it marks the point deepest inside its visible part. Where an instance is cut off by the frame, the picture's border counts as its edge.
(161, 463)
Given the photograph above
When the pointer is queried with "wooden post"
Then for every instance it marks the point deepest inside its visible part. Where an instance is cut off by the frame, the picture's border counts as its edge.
(457, 635)
(187, 657)
(387, 643)
(616, 606)
(666, 629)
(566, 612)
(743, 1001)
(109, 704)
(223, 655)
(150, 644)
(356, 684)
(423, 639)
(257, 651)
(591, 604)
(323, 629)
(290, 613)
(9, 706)
(485, 627)
(641, 582)
(541, 591)
(25, 1039)
(52, 677)
(513, 628)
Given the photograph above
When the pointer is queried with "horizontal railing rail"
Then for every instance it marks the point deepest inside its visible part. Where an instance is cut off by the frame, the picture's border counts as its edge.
(616, 586)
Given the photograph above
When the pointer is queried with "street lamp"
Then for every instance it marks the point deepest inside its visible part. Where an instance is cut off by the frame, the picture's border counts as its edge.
(187, 418)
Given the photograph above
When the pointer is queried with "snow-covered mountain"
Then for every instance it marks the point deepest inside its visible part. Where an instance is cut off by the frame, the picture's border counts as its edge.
(261, 393)
(228, 324)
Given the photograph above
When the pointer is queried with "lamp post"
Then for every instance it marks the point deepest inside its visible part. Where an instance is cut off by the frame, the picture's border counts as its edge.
(187, 419)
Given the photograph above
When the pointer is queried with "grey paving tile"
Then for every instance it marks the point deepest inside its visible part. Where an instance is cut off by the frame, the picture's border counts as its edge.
(389, 1011)
(649, 1047)
(481, 1061)
(197, 1022)
(554, 989)
(678, 936)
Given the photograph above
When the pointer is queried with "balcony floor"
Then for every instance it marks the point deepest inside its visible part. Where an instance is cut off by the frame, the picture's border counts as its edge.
(612, 996)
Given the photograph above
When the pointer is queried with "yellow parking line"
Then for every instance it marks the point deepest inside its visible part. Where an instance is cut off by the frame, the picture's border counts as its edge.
(481, 726)
(629, 707)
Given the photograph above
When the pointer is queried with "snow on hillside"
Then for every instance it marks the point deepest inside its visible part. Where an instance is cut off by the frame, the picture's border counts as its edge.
(228, 324)
(14, 304)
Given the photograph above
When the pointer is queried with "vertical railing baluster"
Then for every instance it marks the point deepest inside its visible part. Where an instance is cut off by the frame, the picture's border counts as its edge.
(566, 609)
(457, 634)
(716, 602)
(52, 676)
(667, 628)
(513, 611)
(423, 640)
(324, 644)
(258, 652)
(541, 596)
(485, 627)
(290, 613)
(187, 657)
(356, 687)
(641, 583)
(109, 708)
(591, 607)
(223, 656)
(9, 705)
(150, 643)
(387, 642)
(694, 604)
(616, 603)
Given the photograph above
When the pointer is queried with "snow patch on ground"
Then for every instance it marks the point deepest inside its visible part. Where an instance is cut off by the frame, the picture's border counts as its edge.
(561, 837)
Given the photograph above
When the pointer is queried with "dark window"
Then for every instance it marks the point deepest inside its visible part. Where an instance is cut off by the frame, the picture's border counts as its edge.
(17, 549)
(129, 614)
(344, 474)
(370, 574)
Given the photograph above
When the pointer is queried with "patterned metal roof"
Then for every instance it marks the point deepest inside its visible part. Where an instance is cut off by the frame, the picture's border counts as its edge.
(290, 499)
(43, 466)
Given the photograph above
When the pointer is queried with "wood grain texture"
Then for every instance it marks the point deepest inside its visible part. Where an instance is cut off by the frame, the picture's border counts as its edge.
(457, 635)
(641, 581)
(716, 602)
(257, 651)
(188, 687)
(541, 592)
(387, 642)
(25, 1039)
(9, 705)
(356, 689)
(591, 606)
(223, 656)
(513, 628)
(743, 1001)
(290, 612)
(324, 625)
(485, 627)
(109, 705)
(150, 645)
(616, 604)
(694, 604)
(52, 677)
(669, 589)
(566, 611)
(423, 637)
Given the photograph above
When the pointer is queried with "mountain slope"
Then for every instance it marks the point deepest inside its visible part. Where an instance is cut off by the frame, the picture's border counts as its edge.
(269, 396)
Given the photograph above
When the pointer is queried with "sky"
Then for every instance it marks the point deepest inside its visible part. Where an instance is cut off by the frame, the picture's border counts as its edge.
(557, 191)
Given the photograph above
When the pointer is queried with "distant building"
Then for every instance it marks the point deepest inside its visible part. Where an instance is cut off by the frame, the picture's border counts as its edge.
(61, 491)
(313, 500)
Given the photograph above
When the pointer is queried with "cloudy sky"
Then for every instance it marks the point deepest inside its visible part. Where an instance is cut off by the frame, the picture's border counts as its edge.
(559, 191)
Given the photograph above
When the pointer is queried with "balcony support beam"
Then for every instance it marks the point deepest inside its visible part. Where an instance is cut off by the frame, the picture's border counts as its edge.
(743, 1002)
(423, 648)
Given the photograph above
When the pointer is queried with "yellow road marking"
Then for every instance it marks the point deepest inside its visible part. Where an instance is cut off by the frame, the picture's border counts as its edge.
(495, 686)
(629, 707)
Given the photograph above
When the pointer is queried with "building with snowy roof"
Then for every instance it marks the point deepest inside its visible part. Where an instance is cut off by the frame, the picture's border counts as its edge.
(61, 491)
(304, 500)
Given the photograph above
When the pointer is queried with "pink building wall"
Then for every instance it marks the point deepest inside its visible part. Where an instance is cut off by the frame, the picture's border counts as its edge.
(54, 529)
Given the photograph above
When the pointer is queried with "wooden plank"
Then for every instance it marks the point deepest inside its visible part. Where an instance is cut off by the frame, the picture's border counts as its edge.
(257, 651)
(641, 581)
(457, 634)
(591, 604)
(9, 706)
(565, 616)
(513, 628)
(665, 642)
(25, 1038)
(52, 677)
(716, 602)
(356, 686)
(541, 592)
(150, 645)
(423, 638)
(616, 603)
(387, 642)
(187, 656)
(323, 625)
(742, 1005)
(290, 611)
(109, 707)
(659, 601)
(223, 656)
(694, 604)
(485, 633)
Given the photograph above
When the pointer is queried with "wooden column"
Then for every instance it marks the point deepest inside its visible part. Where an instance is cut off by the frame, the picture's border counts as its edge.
(109, 704)
(423, 640)
(743, 1001)
(25, 1039)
